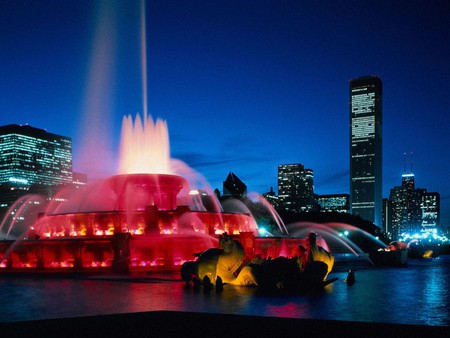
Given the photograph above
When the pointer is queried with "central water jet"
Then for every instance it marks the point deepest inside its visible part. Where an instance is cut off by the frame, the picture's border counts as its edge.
(144, 146)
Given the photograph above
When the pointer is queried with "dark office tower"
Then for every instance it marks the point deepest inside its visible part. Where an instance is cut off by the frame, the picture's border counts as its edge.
(398, 199)
(414, 202)
(31, 156)
(365, 148)
(295, 187)
(234, 187)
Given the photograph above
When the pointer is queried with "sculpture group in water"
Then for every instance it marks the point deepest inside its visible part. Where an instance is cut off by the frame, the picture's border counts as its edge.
(227, 265)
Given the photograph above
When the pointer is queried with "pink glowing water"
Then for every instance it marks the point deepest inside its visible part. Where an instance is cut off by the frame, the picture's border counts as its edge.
(144, 146)
(165, 220)
(95, 129)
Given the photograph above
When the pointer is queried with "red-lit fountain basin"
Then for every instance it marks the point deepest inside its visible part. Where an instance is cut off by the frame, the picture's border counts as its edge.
(133, 222)
(138, 191)
(145, 223)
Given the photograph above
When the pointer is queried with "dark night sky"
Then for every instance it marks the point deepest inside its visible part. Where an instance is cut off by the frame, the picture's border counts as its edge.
(243, 85)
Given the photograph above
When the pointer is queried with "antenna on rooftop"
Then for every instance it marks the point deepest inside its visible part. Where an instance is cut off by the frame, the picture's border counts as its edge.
(404, 163)
(411, 162)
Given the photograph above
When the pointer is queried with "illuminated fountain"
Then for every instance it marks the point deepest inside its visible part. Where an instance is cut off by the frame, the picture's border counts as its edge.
(147, 217)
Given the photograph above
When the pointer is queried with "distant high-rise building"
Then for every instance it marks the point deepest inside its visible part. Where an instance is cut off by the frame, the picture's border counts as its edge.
(32, 161)
(234, 187)
(430, 206)
(295, 187)
(413, 210)
(398, 200)
(272, 198)
(408, 180)
(366, 148)
(414, 202)
(333, 203)
(33, 156)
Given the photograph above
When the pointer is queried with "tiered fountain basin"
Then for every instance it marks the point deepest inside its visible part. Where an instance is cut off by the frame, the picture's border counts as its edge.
(145, 223)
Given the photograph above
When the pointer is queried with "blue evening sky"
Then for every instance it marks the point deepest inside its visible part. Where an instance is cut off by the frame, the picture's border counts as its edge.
(243, 85)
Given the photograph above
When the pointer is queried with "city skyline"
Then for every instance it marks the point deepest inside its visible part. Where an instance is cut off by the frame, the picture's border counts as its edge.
(243, 87)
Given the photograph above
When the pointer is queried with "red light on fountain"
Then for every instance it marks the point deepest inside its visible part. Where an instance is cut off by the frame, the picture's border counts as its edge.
(139, 219)
(138, 191)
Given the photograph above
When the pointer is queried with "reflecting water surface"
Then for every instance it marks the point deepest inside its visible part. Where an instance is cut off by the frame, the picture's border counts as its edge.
(417, 294)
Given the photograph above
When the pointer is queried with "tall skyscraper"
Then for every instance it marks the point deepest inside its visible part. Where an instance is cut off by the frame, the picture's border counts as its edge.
(366, 148)
(30, 156)
(414, 202)
(295, 187)
(413, 210)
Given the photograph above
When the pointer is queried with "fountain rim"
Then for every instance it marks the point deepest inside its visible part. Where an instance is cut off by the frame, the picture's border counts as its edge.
(117, 182)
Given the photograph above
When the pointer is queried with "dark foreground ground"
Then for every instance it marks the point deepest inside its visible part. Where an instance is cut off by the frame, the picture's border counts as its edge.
(185, 324)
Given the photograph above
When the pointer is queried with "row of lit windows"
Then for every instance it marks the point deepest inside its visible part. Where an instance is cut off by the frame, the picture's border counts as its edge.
(363, 132)
(361, 205)
(21, 155)
(362, 102)
(330, 202)
(295, 185)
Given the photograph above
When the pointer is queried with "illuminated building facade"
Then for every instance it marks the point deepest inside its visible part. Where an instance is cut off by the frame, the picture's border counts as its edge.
(31, 158)
(398, 202)
(414, 203)
(295, 187)
(408, 180)
(366, 148)
(430, 206)
(334, 203)
(413, 210)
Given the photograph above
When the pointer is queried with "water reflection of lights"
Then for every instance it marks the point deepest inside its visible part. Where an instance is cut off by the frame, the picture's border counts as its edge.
(289, 310)
(425, 237)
